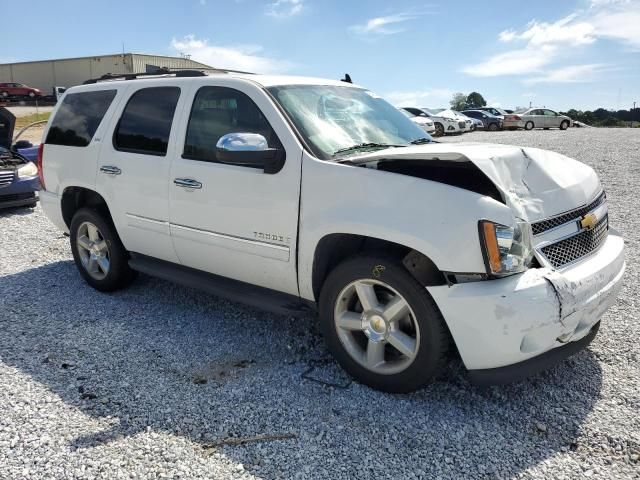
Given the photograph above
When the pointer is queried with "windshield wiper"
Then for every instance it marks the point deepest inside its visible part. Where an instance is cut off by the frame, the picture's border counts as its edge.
(420, 141)
(360, 146)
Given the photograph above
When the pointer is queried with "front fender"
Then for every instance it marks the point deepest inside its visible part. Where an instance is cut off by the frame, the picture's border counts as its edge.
(437, 220)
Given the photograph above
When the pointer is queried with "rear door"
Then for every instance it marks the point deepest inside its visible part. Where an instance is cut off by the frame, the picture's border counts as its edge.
(133, 167)
(237, 222)
(537, 117)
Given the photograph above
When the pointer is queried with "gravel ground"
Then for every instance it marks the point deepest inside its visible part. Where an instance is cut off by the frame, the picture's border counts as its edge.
(146, 382)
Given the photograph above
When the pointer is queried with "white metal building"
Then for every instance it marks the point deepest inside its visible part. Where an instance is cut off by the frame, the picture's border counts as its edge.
(67, 72)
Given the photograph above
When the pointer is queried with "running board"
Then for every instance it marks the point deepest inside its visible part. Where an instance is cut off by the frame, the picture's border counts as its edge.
(234, 290)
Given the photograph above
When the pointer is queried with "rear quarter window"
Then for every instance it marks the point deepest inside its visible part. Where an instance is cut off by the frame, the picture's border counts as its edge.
(78, 118)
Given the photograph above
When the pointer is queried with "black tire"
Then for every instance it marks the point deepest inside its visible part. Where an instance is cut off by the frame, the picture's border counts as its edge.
(528, 125)
(493, 127)
(119, 274)
(439, 130)
(564, 125)
(31, 94)
(434, 338)
(4, 94)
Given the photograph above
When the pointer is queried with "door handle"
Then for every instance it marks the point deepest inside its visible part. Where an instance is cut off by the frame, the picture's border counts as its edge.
(187, 183)
(110, 170)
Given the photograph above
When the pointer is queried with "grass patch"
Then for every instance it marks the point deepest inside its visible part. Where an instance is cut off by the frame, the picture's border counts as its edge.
(27, 119)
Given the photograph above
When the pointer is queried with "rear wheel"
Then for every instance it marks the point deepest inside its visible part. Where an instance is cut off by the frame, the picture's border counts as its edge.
(528, 126)
(32, 94)
(381, 325)
(439, 130)
(98, 252)
(4, 94)
(564, 125)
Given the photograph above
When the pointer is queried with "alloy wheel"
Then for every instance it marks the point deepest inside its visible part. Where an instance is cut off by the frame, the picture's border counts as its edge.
(93, 251)
(376, 326)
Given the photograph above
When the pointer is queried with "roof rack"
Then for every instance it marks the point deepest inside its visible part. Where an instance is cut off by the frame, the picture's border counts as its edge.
(175, 72)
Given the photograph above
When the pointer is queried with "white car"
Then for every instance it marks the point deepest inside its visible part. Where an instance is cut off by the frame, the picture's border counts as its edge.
(446, 124)
(423, 122)
(296, 193)
(461, 118)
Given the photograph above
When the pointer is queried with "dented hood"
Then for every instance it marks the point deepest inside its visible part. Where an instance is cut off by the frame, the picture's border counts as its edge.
(535, 183)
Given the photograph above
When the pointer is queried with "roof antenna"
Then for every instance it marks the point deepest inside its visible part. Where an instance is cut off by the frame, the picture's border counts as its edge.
(347, 78)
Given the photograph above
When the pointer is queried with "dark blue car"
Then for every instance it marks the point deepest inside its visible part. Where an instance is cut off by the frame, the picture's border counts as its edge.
(18, 173)
(490, 121)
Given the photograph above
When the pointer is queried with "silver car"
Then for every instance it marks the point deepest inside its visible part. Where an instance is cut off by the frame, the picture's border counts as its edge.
(541, 118)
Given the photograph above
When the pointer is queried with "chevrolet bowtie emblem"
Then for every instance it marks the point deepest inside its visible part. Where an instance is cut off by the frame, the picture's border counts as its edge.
(589, 221)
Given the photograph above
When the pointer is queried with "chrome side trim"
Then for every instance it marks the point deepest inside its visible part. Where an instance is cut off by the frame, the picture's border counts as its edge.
(146, 219)
(231, 242)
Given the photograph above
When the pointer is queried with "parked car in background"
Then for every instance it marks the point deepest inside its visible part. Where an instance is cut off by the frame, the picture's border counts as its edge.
(443, 124)
(18, 175)
(490, 122)
(477, 124)
(468, 123)
(498, 112)
(422, 121)
(8, 90)
(531, 118)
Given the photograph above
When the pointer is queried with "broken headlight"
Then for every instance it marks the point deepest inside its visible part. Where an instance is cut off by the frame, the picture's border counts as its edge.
(506, 250)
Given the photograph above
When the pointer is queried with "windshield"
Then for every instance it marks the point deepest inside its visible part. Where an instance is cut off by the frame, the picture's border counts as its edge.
(337, 120)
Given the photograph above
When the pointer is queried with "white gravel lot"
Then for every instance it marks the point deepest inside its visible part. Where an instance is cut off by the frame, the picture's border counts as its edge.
(142, 383)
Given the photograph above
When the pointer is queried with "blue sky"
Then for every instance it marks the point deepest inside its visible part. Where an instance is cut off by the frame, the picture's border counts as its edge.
(559, 54)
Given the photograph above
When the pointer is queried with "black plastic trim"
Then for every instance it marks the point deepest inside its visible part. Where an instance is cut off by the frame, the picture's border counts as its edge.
(521, 370)
(235, 290)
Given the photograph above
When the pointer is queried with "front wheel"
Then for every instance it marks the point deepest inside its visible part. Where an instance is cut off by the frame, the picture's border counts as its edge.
(98, 252)
(493, 127)
(528, 126)
(31, 94)
(439, 130)
(564, 125)
(381, 325)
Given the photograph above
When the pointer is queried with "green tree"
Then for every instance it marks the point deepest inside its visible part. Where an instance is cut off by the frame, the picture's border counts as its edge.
(458, 101)
(474, 99)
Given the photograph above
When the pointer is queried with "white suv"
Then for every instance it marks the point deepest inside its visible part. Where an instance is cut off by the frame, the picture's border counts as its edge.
(290, 192)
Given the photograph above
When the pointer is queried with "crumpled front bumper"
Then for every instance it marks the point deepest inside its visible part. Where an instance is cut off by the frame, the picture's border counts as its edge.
(496, 323)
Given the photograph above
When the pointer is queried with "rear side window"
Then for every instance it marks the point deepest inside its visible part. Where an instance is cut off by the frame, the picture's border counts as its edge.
(78, 118)
(146, 121)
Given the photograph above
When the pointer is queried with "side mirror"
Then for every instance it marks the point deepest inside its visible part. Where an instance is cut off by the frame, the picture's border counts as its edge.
(249, 150)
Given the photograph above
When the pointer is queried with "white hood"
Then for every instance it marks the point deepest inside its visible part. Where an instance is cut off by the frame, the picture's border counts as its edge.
(535, 183)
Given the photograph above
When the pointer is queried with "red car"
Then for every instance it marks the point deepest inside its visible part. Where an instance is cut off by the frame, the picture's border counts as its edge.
(18, 90)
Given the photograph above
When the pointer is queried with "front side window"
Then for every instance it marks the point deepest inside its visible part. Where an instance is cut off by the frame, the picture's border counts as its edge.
(78, 118)
(335, 118)
(217, 111)
(146, 121)
(550, 113)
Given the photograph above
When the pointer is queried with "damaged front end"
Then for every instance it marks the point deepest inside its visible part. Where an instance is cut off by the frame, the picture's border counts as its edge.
(553, 271)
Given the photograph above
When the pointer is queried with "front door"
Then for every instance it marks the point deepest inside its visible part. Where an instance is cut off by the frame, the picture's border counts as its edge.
(233, 220)
(551, 119)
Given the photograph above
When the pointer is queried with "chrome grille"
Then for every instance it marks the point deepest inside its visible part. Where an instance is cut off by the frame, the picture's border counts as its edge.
(5, 178)
(553, 222)
(571, 249)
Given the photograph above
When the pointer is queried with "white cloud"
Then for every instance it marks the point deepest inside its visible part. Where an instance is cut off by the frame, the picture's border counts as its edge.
(285, 8)
(540, 45)
(514, 62)
(564, 31)
(434, 97)
(570, 74)
(239, 57)
(387, 25)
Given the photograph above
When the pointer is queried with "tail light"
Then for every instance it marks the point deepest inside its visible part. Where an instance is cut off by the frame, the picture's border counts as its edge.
(40, 172)
(514, 118)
